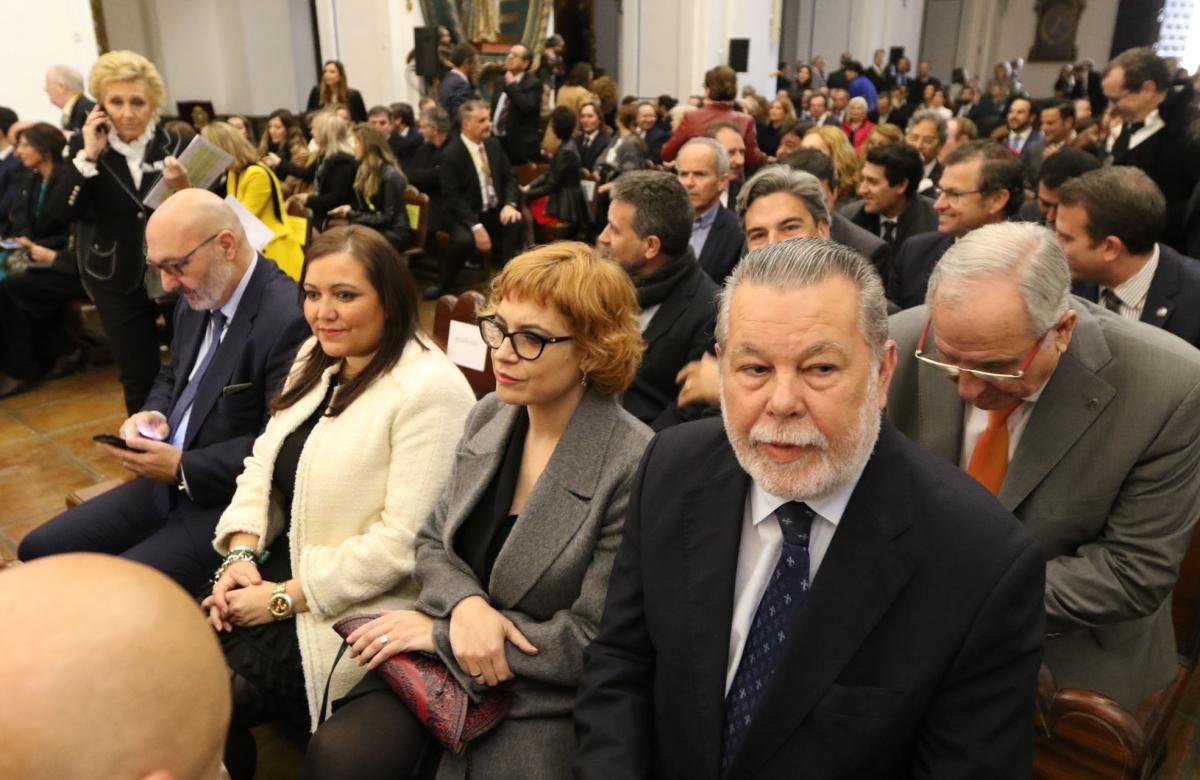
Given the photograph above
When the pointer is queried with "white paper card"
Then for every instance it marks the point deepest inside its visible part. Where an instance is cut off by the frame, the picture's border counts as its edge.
(465, 346)
(589, 189)
(257, 233)
(204, 163)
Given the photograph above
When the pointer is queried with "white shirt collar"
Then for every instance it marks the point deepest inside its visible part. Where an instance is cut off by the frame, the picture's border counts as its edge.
(230, 307)
(135, 149)
(831, 507)
(4, 155)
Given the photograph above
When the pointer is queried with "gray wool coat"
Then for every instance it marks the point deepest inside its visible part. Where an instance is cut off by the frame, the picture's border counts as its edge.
(550, 577)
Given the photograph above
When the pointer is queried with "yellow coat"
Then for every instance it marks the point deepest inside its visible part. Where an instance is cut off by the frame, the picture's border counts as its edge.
(255, 187)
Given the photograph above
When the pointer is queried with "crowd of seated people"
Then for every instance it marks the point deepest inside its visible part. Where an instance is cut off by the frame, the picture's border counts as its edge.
(741, 385)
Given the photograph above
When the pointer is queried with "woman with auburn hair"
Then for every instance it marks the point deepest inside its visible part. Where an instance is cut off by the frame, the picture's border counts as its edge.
(353, 459)
(514, 563)
(117, 158)
(254, 186)
(881, 135)
(780, 113)
(833, 143)
(333, 91)
(379, 188)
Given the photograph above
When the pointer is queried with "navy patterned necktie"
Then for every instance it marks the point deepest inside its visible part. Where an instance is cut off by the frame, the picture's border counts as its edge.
(769, 629)
(215, 324)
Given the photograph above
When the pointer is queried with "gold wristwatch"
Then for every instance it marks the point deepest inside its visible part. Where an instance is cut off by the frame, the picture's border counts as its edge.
(280, 605)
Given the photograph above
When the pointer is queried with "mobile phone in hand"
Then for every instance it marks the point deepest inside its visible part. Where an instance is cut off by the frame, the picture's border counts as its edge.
(8, 243)
(113, 441)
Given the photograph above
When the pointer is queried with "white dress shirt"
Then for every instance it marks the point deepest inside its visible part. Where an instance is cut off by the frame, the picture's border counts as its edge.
(975, 423)
(134, 153)
(759, 549)
(486, 189)
(1152, 124)
(1133, 291)
(646, 315)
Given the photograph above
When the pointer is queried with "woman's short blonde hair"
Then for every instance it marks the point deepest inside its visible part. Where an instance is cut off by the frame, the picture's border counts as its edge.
(594, 296)
(229, 139)
(333, 135)
(125, 65)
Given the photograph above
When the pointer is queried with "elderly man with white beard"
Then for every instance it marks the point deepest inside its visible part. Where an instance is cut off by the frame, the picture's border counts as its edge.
(800, 588)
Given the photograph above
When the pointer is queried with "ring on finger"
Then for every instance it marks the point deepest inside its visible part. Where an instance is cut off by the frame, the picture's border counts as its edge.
(383, 639)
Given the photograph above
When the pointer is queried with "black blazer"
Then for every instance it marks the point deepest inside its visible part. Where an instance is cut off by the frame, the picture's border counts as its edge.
(424, 174)
(386, 212)
(655, 138)
(335, 184)
(724, 246)
(461, 199)
(680, 332)
(113, 257)
(358, 109)
(13, 177)
(454, 91)
(405, 145)
(79, 113)
(51, 226)
(591, 155)
(912, 265)
(917, 648)
(230, 407)
(867, 244)
(1173, 301)
(560, 185)
(522, 141)
(918, 216)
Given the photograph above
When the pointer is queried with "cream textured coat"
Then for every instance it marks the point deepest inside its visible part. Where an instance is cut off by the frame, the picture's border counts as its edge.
(366, 481)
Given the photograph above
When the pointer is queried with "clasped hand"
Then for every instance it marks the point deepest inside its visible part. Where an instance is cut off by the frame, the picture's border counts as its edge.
(477, 636)
(239, 598)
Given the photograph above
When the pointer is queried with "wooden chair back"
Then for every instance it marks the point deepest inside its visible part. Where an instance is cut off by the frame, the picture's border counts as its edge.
(463, 308)
(420, 229)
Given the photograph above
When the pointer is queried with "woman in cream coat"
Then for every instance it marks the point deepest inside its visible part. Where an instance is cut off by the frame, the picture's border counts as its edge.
(326, 513)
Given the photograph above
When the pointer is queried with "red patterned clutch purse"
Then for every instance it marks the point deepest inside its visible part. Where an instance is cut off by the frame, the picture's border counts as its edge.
(430, 691)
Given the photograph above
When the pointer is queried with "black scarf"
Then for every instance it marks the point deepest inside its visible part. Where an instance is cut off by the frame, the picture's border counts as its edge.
(655, 288)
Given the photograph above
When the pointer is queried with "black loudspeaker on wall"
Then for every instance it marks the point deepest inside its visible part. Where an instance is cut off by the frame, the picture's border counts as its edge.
(739, 54)
(895, 54)
(425, 45)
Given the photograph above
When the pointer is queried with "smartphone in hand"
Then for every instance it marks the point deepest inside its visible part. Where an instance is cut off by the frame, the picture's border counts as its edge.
(113, 441)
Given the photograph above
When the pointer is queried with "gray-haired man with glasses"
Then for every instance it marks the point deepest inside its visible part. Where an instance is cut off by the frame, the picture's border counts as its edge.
(1085, 425)
(236, 332)
(983, 183)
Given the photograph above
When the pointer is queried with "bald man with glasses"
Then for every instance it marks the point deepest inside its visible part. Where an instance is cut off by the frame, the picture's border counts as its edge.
(1085, 425)
(237, 327)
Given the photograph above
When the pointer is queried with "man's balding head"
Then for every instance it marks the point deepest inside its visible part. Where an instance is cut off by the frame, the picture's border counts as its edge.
(199, 247)
(109, 670)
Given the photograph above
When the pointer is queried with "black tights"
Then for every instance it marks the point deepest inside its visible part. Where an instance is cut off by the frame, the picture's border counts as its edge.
(252, 706)
(371, 734)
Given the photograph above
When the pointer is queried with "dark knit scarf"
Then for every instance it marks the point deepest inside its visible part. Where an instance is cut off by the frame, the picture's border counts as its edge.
(654, 289)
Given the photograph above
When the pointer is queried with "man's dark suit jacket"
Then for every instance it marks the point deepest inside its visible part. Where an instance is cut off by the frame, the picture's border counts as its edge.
(521, 141)
(461, 198)
(680, 331)
(405, 145)
(917, 650)
(13, 176)
(869, 245)
(723, 247)
(454, 91)
(425, 174)
(590, 156)
(918, 216)
(912, 266)
(79, 113)
(655, 138)
(1173, 301)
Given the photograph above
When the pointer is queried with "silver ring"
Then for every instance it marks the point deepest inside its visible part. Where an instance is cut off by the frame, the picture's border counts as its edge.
(383, 640)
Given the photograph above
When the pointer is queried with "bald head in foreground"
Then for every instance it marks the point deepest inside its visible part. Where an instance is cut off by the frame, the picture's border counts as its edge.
(109, 671)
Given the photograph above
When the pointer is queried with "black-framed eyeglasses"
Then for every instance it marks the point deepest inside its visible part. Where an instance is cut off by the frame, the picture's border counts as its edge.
(175, 267)
(956, 196)
(527, 344)
(987, 376)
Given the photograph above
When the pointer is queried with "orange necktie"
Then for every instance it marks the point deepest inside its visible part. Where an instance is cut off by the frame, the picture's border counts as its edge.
(989, 461)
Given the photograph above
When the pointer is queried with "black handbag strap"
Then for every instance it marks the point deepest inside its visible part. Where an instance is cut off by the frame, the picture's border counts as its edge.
(325, 698)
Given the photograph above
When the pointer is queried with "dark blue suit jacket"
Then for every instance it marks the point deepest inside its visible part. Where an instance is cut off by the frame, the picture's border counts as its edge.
(454, 91)
(912, 266)
(1173, 302)
(230, 407)
(723, 247)
(914, 654)
(13, 176)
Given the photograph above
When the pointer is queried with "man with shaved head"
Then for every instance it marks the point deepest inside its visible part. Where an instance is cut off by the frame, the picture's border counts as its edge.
(145, 697)
(237, 326)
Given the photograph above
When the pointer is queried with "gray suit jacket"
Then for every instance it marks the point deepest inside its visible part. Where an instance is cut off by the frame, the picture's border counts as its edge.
(869, 245)
(550, 578)
(1106, 477)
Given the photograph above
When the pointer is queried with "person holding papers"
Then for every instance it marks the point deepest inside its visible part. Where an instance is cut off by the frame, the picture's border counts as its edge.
(117, 158)
(255, 186)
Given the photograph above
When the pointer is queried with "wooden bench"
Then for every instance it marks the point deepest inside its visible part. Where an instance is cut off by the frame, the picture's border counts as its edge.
(463, 308)
(1083, 733)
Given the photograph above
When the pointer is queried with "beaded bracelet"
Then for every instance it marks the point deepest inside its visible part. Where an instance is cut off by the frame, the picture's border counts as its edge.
(235, 555)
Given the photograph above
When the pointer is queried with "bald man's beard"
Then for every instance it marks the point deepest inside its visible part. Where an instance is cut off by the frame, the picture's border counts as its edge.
(826, 467)
(211, 290)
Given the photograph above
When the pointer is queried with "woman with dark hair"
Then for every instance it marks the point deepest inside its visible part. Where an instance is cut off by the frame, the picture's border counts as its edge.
(118, 158)
(780, 112)
(283, 141)
(514, 562)
(379, 188)
(577, 89)
(556, 195)
(33, 343)
(243, 125)
(333, 91)
(352, 461)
